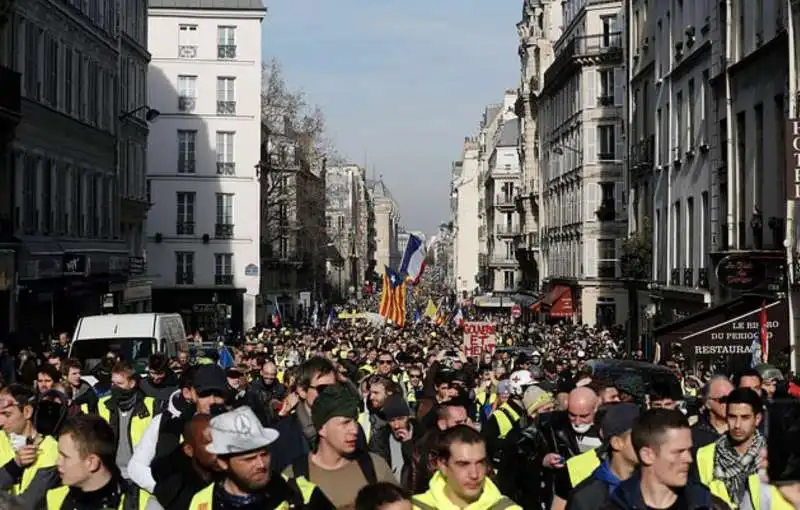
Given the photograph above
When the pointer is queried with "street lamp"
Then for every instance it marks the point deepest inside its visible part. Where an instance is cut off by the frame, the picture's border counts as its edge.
(151, 114)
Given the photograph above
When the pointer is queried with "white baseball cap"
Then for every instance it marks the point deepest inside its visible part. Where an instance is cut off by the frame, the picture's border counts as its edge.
(239, 431)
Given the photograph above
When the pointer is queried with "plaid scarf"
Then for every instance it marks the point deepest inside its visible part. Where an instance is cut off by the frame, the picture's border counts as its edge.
(733, 469)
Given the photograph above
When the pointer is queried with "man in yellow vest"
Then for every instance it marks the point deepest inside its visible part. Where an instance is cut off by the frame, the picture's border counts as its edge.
(506, 418)
(594, 479)
(241, 444)
(127, 410)
(461, 479)
(88, 469)
(729, 466)
(29, 471)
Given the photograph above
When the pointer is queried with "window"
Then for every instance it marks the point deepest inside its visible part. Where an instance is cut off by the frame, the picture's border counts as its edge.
(62, 172)
(606, 258)
(223, 268)
(340, 223)
(704, 107)
(47, 196)
(509, 250)
(758, 167)
(741, 176)
(184, 267)
(51, 71)
(508, 280)
(690, 119)
(225, 163)
(69, 89)
(187, 147)
(187, 41)
(187, 93)
(691, 241)
(607, 211)
(32, 41)
(609, 37)
(677, 236)
(30, 195)
(705, 216)
(224, 226)
(93, 205)
(679, 127)
(605, 135)
(606, 97)
(226, 43)
(77, 228)
(93, 73)
(185, 213)
(226, 96)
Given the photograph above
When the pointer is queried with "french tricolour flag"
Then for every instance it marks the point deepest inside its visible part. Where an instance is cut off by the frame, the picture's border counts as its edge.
(413, 263)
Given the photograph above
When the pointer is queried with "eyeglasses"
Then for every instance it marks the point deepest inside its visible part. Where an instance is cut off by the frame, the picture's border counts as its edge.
(414, 376)
(385, 362)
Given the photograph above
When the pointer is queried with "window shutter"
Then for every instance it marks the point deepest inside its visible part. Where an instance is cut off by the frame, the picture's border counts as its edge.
(619, 86)
(591, 192)
(590, 258)
(617, 251)
(590, 151)
(591, 76)
(619, 140)
(619, 200)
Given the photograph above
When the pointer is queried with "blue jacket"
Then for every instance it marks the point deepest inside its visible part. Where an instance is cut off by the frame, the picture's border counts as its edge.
(628, 496)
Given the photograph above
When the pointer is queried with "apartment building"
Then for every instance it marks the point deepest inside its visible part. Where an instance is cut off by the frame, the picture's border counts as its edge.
(203, 160)
(64, 164)
(539, 28)
(465, 215)
(387, 225)
(582, 151)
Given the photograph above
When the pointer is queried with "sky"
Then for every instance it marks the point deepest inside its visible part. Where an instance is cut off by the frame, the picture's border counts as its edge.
(401, 83)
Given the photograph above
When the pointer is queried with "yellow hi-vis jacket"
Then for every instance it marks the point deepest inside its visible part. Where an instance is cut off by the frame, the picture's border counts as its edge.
(56, 497)
(506, 417)
(580, 467)
(436, 497)
(46, 458)
(204, 500)
(137, 424)
(759, 492)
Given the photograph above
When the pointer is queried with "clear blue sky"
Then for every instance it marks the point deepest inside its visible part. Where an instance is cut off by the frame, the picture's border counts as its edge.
(401, 82)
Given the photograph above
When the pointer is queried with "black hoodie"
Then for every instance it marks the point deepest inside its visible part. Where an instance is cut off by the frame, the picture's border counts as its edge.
(693, 496)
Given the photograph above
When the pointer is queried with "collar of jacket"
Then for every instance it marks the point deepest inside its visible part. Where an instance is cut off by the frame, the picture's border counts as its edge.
(628, 495)
(139, 409)
(436, 490)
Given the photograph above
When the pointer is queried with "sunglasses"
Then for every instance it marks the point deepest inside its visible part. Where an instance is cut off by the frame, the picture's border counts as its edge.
(385, 361)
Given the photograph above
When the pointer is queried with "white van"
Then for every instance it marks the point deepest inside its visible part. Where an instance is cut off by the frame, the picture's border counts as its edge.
(134, 336)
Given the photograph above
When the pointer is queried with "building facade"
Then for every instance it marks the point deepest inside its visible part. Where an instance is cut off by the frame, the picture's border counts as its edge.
(582, 151)
(74, 258)
(203, 232)
(349, 217)
(465, 215)
(498, 181)
(539, 27)
(387, 226)
(293, 232)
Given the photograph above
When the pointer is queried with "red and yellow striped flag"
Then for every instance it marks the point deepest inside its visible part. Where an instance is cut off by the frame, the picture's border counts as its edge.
(393, 298)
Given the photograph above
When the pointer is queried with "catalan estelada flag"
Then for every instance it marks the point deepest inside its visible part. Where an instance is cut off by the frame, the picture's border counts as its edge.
(393, 298)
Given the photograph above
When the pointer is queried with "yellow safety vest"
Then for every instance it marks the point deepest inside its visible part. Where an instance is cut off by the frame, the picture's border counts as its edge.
(366, 424)
(56, 497)
(6, 450)
(436, 497)
(47, 457)
(137, 425)
(705, 468)
(204, 500)
(580, 467)
(504, 416)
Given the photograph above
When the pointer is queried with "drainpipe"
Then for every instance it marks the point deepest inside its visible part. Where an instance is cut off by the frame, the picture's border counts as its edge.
(789, 242)
(732, 184)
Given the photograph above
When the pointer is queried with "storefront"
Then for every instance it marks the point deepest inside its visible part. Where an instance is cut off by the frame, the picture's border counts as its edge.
(209, 310)
(559, 304)
(729, 333)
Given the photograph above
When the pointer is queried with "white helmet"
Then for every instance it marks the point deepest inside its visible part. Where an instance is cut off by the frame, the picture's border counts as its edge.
(520, 380)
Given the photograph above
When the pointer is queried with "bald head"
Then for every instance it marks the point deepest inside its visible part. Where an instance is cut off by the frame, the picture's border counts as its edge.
(194, 430)
(581, 406)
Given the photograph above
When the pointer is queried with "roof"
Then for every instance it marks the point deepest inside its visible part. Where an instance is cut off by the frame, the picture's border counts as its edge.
(243, 5)
(509, 134)
(492, 111)
(379, 189)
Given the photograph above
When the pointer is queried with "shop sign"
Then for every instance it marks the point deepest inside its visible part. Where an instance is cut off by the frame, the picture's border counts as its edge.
(75, 264)
(137, 293)
(740, 335)
(740, 272)
(136, 266)
(793, 159)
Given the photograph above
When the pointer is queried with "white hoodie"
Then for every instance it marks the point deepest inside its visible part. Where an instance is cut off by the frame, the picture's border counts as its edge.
(139, 466)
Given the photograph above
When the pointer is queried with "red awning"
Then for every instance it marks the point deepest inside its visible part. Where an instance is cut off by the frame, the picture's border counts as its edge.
(560, 302)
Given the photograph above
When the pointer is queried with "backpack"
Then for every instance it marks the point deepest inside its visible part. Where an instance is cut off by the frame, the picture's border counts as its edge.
(364, 459)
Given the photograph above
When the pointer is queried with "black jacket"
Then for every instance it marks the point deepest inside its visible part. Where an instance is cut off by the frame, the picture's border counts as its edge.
(703, 433)
(519, 471)
(161, 393)
(491, 432)
(177, 481)
(694, 496)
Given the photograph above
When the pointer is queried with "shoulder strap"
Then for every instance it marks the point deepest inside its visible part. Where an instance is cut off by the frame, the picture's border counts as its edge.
(419, 504)
(503, 503)
(367, 468)
(296, 495)
(300, 467)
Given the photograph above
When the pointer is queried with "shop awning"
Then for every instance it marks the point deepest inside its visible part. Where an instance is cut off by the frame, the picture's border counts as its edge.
(730, 328)
(559, 301)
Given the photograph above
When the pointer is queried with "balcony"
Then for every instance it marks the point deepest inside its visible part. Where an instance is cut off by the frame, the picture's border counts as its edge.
(643, 153)
(187, 51)
(503, 260)
(585, 50)
(226, 107)
(223, 279)
(226, 168)
(223, 231)
(186, 104)
(226, 51)
(184, 228)
(10, 97)
(507, 230)
(505, 200)
(605, 101)
(702, 278)
(675, 277)
(533, 241)
(186, 166)
(483, 260)
(184, 278)
(688, 277)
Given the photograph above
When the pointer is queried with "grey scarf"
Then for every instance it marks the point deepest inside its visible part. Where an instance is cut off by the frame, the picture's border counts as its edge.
(733, 469)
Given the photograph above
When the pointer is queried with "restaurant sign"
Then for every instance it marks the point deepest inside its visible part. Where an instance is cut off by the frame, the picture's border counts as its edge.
(793, 159)
(740, 272)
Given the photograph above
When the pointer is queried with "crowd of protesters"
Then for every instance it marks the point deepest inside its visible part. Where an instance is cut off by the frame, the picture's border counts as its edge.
(366, 417)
